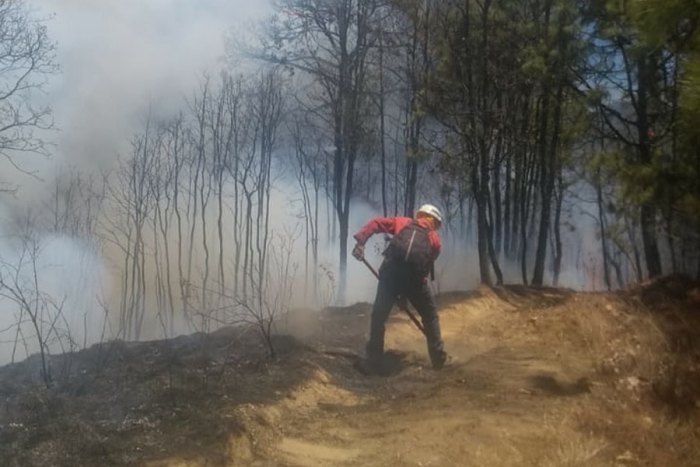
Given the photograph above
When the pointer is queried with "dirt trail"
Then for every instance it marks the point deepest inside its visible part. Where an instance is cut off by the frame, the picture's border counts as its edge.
(503, 400)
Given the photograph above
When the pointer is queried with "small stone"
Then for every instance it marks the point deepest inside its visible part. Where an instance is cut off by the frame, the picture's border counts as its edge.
(633, 382)
(627, 458)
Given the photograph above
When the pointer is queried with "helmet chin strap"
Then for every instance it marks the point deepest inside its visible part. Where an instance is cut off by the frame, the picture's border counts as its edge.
(434, 224)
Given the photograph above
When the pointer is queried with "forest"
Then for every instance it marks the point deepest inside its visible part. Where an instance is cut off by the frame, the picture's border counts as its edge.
(523, 121)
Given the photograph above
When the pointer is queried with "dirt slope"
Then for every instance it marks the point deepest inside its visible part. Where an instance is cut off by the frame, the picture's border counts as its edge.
(538, 378)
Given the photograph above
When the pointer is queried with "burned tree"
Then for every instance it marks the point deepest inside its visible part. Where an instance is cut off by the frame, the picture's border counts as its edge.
(329, 42)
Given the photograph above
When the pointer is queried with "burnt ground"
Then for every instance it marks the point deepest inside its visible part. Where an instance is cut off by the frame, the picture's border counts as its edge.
(538, 377)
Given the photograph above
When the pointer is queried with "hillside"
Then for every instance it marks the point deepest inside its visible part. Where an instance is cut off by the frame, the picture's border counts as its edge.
(539, 377)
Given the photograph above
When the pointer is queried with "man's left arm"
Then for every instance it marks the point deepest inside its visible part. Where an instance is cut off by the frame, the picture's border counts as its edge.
(436, 244)
(437, 247)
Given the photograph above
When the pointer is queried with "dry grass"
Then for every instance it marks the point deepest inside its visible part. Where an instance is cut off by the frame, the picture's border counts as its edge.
(644, 345)
(577, 451)
(642, 348)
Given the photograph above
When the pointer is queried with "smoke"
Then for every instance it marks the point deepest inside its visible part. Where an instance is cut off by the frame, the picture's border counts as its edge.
(88, 278)
(61, 281)
(123, 58)
(120, 60)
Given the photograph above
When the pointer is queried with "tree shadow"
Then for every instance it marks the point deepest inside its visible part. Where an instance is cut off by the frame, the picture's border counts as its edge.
(446, 299)
(543, 297)
(393, 364)
(552, 386)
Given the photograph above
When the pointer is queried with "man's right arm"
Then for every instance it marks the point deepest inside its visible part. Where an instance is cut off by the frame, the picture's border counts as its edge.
(386, 225)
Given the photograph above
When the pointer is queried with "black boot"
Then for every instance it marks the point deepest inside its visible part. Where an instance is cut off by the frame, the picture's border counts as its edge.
(438, 359)
(371, 366)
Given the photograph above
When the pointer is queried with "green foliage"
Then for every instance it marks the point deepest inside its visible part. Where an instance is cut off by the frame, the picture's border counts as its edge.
(605, 88)
(673, 25)
(534, 64)
(665, 22)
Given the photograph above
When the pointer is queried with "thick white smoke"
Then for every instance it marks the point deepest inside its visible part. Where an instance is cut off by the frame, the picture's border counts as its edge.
(59, 280)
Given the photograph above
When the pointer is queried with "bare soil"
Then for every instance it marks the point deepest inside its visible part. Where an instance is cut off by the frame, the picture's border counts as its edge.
(537, 377)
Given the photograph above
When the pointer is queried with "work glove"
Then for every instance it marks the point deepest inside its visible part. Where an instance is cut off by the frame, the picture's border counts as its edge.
(358, 252)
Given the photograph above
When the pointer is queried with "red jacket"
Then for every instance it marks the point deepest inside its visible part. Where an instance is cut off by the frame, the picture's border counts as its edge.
(392, 226)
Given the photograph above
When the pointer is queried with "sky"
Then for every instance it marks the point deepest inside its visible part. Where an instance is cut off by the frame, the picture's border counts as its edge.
(120, 56)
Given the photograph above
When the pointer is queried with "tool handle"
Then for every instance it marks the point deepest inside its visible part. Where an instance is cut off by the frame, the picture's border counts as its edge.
(371, 268)
(403, 308)
(413, 317)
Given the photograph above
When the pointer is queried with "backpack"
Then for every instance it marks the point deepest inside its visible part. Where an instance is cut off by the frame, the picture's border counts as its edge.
(411, 246)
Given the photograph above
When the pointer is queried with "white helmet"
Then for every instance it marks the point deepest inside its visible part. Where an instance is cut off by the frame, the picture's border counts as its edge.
(430, 210)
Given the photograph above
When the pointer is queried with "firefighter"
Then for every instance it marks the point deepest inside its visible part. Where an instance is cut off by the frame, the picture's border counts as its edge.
(408, 260)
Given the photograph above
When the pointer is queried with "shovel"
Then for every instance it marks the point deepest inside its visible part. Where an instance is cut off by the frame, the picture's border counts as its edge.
(402, 304)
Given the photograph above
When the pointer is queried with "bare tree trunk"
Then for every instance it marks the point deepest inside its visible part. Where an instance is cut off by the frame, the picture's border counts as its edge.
(559, 198)
(204, 194)
(631, 232)
(178, 162)
(697, 274)
(648, 211)
(158, 266)
(330, 201)
(220, 230)
(382, 129)
(246, 243)
(546, 154)
(518, 195)
(411, 180)
(315, 238)
(126, 275)
(494, 258)
(396, 176)
(603, 231)
(507, 207)
(651, 249)
(236, 218)
(482, 230)
(528, 183)
(497, 209)
(193, 228)
(223, 137)
(521, 178)
(163, 223)
(204, 199)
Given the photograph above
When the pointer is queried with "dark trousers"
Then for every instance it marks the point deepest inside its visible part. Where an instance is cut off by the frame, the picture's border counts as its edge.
(395, 281)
